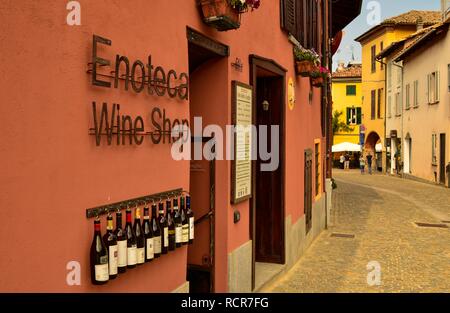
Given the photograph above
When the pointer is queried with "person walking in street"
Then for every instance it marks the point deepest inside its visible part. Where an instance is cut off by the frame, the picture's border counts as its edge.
(347, 162)
(369, 162)
(362, 163)
(342, 160)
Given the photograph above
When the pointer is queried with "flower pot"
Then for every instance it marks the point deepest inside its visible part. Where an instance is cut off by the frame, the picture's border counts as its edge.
(317, 81)
(304, 68)
(219, 14)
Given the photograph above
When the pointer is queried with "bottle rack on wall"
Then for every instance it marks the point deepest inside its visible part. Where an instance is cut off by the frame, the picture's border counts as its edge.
(112, 207)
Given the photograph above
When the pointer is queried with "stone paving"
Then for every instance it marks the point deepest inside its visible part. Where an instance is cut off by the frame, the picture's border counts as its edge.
(380, 211)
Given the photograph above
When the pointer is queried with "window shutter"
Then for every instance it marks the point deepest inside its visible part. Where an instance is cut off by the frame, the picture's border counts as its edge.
(438, 84)
(347, 118)
(288, 16)
(428, 88)
(358, 116)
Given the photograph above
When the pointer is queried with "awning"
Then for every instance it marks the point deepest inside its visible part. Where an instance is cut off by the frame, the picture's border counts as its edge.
(343, 12)
(346, 147)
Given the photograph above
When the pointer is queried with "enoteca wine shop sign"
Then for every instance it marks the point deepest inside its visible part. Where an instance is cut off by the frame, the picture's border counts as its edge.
(111, 126)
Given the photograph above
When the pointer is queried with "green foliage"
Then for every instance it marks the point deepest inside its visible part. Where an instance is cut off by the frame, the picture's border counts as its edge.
(338, 125)
(306, 55)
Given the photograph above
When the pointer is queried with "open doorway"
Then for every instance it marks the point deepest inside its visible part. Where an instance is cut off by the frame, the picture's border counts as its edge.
(267, 205)
(207, 63)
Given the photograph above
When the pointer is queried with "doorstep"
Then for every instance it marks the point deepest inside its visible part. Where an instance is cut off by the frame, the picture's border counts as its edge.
(266, 273)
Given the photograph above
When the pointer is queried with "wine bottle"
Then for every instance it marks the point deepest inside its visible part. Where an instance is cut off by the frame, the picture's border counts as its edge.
(156, 233)
(121, 244)
(99, 257)
(131, 242)
(164, 229)
(148, 235)
(170, 225)
(140, 239)
(110, 241)
(184, 223)
(178, 225)
(190, 216)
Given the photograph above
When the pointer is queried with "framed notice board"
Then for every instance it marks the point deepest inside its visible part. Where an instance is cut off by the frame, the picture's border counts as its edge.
(242, 119)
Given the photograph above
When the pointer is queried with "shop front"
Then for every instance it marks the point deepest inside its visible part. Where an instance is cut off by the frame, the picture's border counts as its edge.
(98, 120)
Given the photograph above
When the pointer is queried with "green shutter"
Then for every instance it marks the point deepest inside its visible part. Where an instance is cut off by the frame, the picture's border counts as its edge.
(347, 118)
(358, 116)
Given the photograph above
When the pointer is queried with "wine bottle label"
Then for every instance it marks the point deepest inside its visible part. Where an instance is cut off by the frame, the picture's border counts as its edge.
(150, 251)
(157, 244)
(185, 233)
(122, 253)
(101, 272)
(166, 237)
(131, 253)
(178, 234)
(140, 253)
(191, 228)
(113, 256)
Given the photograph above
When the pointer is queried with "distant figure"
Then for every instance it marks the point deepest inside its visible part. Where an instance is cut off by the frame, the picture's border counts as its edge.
(342, 160)
(362, 163)
(347, 162)
(369, 162)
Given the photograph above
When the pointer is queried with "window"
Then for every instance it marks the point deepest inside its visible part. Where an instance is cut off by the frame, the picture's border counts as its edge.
(398, 104)
(434, 149)
(416, 94)
(381, 49)
(408, 99)
(373, 54)
(372, 104)
(300, 19)
(433, 88)
(354, 116)
(317, 163)
(351, 90)
(380, 93)
(389, 113)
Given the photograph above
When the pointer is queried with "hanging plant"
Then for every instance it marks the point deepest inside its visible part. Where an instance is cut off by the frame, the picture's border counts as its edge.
(319, 76)
(226, 14)
(305, 61)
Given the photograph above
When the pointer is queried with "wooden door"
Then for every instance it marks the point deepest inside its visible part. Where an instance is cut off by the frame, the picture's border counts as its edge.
(308, 189)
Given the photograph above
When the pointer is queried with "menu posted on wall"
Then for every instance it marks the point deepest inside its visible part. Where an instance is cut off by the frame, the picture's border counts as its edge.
(241, 182)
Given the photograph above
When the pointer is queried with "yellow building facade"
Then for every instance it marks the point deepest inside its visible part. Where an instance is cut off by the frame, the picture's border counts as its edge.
(347, 99)
(374, 75)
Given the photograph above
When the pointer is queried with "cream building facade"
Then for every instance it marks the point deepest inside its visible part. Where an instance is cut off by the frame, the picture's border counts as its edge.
(418, 103)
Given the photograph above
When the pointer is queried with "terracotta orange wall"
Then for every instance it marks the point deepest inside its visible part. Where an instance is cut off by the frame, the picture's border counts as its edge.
(52, 169)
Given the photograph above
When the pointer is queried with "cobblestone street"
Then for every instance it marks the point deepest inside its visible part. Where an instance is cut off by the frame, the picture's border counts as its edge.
(381, 212)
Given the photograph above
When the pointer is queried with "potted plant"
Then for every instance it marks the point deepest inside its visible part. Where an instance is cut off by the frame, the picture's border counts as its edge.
(226, 14)
(319, 75)
(305, 61)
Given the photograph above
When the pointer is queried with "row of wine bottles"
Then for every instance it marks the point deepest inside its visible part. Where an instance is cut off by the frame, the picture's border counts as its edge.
(139, 243)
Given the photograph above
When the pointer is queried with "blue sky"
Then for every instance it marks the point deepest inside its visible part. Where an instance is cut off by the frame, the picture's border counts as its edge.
(388, 8)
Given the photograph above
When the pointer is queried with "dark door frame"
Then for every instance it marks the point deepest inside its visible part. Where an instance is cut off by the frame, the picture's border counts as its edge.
(273, 67)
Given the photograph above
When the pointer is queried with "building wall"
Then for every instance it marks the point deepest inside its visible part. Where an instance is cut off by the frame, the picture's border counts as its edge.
(341, 101)
(52, 169)
(377, 80)
(421, 122)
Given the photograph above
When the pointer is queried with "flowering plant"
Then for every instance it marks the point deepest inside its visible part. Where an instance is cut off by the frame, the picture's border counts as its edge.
(306, 55)
(320, 71)
(243, 5)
